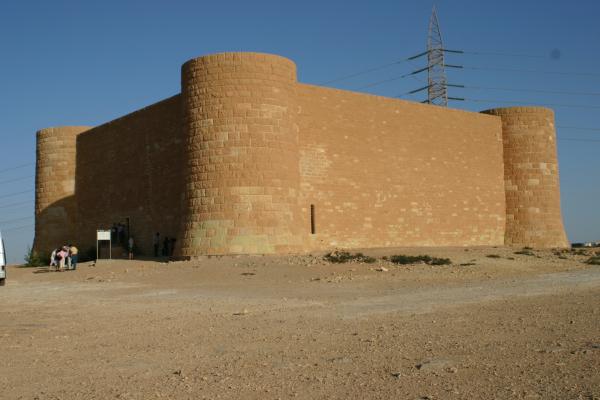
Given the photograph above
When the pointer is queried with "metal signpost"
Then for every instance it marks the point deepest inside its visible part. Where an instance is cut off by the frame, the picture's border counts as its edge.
(103, 235)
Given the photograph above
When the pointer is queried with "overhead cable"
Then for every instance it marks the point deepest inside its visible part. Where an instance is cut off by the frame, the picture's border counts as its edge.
(16, 167)
(8, 221)
(531, 90)
(16, 228)
(395, 78)
(22, 203)
(15, 193)
(580, 140)
(497, 53)
(534, 71)
(579, 128)
(533, 103)
(366, 71)
(18, 179)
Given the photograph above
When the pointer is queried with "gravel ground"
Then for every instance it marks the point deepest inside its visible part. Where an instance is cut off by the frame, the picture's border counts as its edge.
(492, 325)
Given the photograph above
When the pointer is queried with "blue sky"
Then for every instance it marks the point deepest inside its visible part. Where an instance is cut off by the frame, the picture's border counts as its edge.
(87, 62)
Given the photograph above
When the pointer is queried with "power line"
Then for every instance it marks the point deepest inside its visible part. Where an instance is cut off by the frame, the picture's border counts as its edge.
(580, 140)
(18, 179)
(579, 128)
(497, 53)
(529, 102)
(518, 102)
(16, 167)
(382, 82)
(414, 77)
(534, 71)
(17, 228)
(28, 202)
(476, 52)
(366, 71)
(15, 193)
(532, 90)
(395, 78)
(8, 221)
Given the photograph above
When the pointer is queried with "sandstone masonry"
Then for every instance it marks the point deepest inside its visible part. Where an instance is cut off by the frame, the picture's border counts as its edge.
(248, 160)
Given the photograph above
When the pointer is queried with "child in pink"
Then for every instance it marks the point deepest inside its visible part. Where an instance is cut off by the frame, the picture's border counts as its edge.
(62, 255)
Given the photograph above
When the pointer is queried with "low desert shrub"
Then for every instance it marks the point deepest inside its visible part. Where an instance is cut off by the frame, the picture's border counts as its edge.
(404, 259)
(595, 260)
(579, 252)
(340, 257)
(492, 256)
(33, 259)
(439, 261)
(525, 252)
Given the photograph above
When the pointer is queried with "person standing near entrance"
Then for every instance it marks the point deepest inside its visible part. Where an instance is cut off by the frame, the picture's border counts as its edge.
(73, 252)
(165, 251)
(156, 243)
(172, 246)
(121, 233)
(130, 247)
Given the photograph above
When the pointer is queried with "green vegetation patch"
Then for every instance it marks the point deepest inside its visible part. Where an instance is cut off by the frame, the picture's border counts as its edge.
(595, 260)
(340, 257)
(404, 259)
(579, 252)
(525, 252)
(33, 259)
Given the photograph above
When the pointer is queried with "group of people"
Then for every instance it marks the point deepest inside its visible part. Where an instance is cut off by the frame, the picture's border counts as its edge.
(168, 245)
(64, 258)
(119, 234)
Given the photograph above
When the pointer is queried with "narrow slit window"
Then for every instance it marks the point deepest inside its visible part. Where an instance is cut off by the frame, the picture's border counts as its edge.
(312, 219)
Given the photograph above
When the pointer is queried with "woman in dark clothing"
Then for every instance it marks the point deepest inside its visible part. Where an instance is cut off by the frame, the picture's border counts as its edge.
(165, 249)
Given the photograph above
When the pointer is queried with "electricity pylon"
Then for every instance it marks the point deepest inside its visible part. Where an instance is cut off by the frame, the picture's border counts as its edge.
(437, 85)
(437, 91)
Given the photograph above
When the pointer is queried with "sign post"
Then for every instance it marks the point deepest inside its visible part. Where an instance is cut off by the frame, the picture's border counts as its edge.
(104, 235)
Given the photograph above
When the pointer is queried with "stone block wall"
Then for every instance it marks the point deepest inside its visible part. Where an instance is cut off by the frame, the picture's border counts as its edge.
(55, 205)
(132, 167)
(385, 172)
(248, 160)
(533, 216)
(242, 155)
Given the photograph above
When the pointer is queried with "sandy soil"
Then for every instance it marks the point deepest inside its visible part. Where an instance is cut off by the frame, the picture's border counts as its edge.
(512, 326)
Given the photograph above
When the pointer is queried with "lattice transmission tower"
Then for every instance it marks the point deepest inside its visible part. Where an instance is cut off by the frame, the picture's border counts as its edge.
(437, 91)
(437, 84)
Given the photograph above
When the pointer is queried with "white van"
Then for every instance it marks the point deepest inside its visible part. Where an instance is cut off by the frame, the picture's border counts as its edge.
(2, 262)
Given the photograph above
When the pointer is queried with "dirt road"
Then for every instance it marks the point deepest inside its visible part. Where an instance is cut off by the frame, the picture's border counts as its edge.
(499, 326)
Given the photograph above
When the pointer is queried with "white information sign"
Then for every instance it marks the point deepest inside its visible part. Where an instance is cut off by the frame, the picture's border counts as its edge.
(103, 235)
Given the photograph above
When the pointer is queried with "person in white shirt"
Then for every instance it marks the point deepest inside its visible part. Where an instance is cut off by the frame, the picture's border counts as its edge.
(156, 243)
(130, 246)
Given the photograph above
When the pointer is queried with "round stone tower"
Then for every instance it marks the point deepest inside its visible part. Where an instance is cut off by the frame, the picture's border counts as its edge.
(55, 205)
(242, 166)
(533, 216)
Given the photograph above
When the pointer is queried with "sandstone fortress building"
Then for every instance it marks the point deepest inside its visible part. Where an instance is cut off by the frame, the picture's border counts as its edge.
(248, 160)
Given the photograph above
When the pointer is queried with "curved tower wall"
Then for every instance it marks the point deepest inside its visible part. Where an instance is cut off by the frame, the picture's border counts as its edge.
(55, 205)
(531, 177)
(242, 166)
